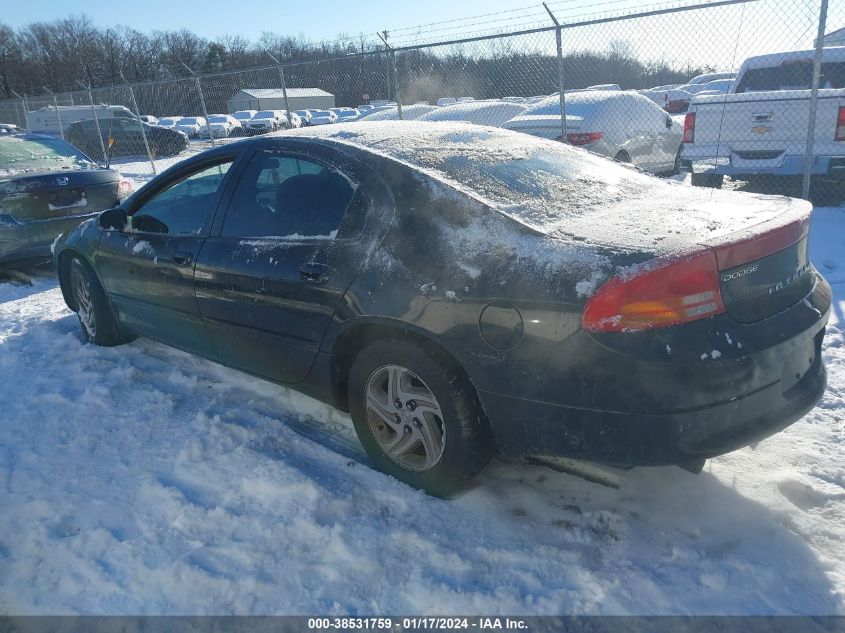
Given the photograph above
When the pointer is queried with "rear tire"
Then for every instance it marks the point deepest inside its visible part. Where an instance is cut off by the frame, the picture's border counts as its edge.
(418, 417)
(93, 309)
(622, 157)
(713, 181)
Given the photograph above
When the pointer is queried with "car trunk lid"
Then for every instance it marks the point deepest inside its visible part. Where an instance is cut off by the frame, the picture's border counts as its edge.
(764, 273)
(59, 194)
(544, 125)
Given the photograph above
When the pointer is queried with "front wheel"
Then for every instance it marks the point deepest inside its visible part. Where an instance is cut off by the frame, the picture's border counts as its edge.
(418, 417)
(96, 318)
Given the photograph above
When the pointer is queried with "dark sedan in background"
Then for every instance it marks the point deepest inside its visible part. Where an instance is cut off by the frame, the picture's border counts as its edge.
(126, 136)
(461, 289)
(46, 188)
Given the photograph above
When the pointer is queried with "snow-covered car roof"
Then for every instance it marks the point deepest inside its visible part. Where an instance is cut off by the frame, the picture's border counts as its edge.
(704, 78)
(480, 112)
(409, 112)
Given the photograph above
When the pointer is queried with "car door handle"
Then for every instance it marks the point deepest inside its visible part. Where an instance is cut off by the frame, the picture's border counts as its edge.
(183, 258)
(314, 273)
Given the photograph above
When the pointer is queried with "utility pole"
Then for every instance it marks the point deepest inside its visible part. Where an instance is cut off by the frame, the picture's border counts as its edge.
(559, 41)
(141, 123)
(25, 110)
(202, 103)
(96, 120)
(398, 95)
(814, 99)
(281, 72)
(58, 114)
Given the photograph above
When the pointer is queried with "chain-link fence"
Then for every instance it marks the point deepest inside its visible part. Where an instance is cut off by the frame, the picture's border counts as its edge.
(735, 93)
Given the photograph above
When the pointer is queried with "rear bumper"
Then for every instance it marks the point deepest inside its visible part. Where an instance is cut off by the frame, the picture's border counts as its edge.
(782, 165)
(34, 239)
(522, 427)
(645, 413)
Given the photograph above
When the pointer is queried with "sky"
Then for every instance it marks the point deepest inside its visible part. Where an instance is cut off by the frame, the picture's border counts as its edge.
(213, 18)
(718, 37)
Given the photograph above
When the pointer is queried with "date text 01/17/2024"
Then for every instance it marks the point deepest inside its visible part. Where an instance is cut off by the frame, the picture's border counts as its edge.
(417, 623)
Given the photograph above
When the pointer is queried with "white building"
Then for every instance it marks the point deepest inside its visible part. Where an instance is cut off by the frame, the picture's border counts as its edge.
(273, 99)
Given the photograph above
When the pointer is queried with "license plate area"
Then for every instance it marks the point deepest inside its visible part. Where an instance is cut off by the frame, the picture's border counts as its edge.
(799, 362)
(67, 199)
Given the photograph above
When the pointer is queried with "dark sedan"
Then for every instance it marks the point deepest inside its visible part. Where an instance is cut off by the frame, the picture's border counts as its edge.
(46, 188)
(461, 289)
(123, 137)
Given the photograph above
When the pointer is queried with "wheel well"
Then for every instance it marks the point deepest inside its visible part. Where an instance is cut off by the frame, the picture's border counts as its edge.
(63, 271)
(350, 343)
(622, 156)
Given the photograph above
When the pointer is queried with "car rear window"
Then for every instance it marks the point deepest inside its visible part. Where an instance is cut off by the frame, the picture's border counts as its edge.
(581, 104)
(19, 155)
(540, 182)
(792, 75)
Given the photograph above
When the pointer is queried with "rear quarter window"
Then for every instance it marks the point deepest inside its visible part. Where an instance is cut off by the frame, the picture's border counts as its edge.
(792, 75)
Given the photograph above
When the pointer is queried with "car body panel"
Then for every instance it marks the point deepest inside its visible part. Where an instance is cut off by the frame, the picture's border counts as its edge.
(760, 126)
(629, 125)
(246, 281)
(37, 206)
(127, 137)
(441, 261)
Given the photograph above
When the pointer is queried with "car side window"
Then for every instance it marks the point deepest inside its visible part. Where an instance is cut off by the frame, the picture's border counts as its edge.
(288, 197)
(184, 206)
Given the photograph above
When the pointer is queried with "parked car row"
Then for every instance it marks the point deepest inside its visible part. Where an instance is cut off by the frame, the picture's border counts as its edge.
(675, 98)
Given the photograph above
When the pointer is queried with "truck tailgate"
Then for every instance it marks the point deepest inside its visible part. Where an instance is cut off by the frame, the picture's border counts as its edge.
(758, 129)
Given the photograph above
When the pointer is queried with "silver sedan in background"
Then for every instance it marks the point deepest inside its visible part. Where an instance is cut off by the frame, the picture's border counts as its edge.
(618, 124)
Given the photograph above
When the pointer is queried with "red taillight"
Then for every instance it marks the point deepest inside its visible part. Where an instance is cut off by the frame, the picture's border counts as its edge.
(677, 292)
(124, 188)
(689, 127)
(583, 138)
(840, 125)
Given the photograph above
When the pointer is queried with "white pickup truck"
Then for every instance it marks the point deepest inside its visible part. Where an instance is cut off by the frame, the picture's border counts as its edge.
(760, 126)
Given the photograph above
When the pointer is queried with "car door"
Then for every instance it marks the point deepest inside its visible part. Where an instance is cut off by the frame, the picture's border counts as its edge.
(670, 135)
(148, 271)
(131, 136)
(636, 128)
(664, 137)
(298, 227)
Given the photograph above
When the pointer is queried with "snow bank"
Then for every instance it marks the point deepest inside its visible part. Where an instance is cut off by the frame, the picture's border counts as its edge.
(139, 479)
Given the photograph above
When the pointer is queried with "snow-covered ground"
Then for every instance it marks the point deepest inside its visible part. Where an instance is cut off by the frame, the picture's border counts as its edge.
(142, 480)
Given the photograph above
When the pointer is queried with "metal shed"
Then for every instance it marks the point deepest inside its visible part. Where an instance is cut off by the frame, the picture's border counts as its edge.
(273, 99)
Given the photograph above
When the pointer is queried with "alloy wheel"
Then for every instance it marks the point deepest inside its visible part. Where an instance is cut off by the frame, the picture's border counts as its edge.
(85, 306)
(405, 418)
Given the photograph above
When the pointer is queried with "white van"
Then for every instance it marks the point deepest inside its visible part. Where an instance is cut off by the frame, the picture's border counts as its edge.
(50, 120)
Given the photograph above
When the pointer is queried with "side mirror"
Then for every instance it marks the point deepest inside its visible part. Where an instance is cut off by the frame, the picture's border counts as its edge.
(113, 219)
(668, 122)
(148, 224)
